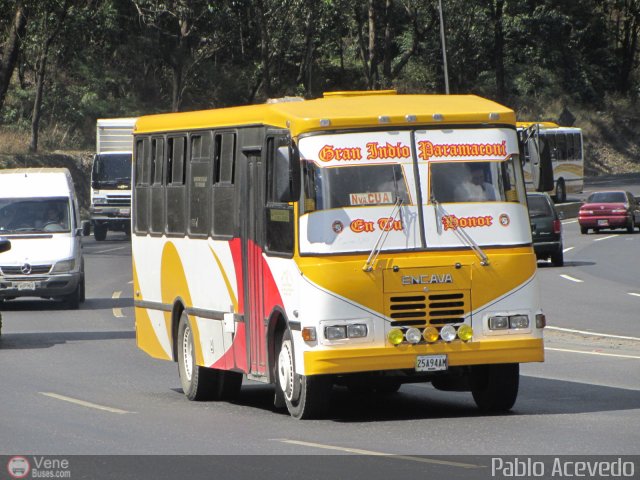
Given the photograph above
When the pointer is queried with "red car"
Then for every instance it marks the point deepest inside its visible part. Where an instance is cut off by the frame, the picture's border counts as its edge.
(610, 209)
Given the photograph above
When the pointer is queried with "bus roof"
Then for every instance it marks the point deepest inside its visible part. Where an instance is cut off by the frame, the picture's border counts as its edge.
(339, 110)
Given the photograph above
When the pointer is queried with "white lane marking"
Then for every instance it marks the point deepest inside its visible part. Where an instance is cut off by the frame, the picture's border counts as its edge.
(593, 353)
(567, 249)
(83, 403)
(605, 238)
(380, 454)
(569, 277)
(634, 294)
(110, 250)
(117, 312)
(595, 334)
(569, 221)
(130, 282)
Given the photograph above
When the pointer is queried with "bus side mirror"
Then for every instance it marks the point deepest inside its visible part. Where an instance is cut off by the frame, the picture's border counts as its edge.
(287, 177)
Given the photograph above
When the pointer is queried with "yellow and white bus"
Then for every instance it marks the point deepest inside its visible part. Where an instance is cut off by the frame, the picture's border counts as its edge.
(561, 164)
(363, 239)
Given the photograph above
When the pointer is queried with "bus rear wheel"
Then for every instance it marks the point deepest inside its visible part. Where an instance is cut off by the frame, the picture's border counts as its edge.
(305, 396)
(495, 387)
(561, 191)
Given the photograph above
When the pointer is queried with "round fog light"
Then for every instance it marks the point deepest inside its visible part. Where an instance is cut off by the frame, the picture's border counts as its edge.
(465, 332)
(448, 333)
(413, 335)
(395, 336)
(430, 334)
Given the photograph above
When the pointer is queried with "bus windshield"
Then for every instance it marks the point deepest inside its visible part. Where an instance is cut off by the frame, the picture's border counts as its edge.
(409, 185)
(473, 182)
(354, 186)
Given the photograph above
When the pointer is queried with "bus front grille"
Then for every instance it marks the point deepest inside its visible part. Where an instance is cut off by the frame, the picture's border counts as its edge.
(419, 310)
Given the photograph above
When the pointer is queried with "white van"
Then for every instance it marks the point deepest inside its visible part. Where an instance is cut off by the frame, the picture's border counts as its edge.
(39, 215)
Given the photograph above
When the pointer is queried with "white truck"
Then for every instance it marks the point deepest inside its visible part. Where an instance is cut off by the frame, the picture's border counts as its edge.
(111, 177)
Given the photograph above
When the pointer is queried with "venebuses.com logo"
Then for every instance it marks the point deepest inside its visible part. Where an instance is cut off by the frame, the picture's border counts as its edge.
(38, 467)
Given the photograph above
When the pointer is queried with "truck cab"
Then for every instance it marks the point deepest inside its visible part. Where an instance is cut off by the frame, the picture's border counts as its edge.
(111, 177)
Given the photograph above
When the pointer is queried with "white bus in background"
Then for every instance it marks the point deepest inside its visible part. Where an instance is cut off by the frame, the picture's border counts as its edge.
(111, 177)
(558, 168)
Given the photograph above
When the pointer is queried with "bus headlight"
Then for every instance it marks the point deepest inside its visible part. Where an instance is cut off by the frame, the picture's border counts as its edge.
(465, 332)
(498, 323)
(413, 335)
(448, 333)
(430, 334)
(335, 332)
(519, 321)
(341, 332)
(395, 336)
(357, 330)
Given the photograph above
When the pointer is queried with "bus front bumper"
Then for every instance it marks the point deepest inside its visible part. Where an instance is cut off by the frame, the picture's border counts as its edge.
(403, 357)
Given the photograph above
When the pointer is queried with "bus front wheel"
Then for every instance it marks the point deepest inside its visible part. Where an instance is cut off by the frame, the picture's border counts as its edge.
(495, 387)
(305, 396)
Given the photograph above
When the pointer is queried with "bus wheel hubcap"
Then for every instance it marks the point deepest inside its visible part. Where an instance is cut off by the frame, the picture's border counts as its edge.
(285, 370)
(187, 346)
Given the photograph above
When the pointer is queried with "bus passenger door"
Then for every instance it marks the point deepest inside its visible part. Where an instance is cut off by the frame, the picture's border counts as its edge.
(252, 220)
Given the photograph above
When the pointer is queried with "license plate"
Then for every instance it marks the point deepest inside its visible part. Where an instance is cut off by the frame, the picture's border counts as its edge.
(431, 363)
(26, 285)
(125, 211)
(603, 223)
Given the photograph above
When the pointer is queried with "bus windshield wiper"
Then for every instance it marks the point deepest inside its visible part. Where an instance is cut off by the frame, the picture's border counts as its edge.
(375, 251)
(460, 232)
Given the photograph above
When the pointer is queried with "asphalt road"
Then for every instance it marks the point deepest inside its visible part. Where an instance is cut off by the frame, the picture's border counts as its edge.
(74, 383)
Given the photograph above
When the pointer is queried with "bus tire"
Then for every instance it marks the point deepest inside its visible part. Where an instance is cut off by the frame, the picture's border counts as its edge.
(495, 387)
(305, 396)
(198, 383)
(561, 191)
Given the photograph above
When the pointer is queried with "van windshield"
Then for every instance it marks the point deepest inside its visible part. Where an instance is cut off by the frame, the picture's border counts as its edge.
(34, 215)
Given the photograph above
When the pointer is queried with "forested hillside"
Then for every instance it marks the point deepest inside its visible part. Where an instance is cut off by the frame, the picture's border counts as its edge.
(64, 63)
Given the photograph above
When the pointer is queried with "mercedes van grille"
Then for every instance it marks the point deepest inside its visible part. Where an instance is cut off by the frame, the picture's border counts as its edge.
(20, 270)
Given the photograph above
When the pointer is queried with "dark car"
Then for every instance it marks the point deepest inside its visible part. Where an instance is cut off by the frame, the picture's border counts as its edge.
(546, 229)
(609, 209)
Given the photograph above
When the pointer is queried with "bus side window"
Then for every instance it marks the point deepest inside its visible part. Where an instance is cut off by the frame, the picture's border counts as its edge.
(175, 187)
(199, 180)
(156, 206)
(223, 190)
(279, 214)
(141, 191)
